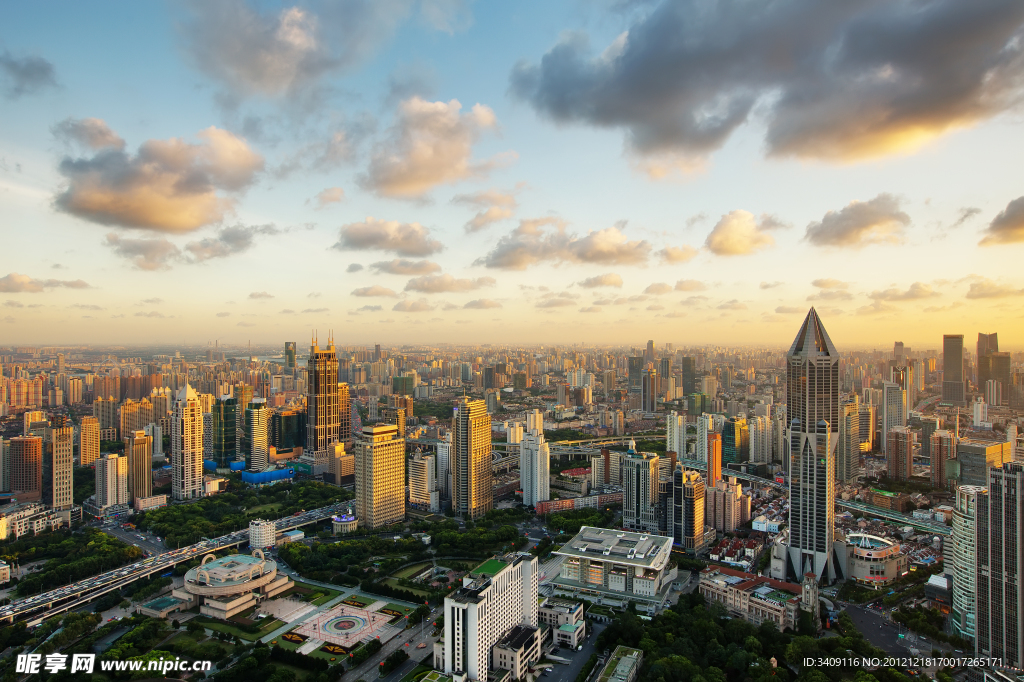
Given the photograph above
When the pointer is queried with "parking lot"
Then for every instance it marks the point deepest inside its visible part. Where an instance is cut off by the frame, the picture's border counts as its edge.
(568, 673)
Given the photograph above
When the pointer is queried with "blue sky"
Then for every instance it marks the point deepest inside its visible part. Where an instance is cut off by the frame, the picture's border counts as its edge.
(678, 171)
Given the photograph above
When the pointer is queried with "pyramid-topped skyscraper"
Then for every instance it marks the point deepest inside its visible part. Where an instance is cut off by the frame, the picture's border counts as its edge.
(812, 406)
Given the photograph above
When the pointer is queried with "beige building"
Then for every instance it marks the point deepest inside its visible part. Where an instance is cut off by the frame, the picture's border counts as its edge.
(874, 561)
(380, 476)
(88, 441)
(111, 481)
(517, 650)
(138, 450)
(728, 507)
(60, 469)
(472, 474)
(753, 598)
(565, 618)
(227, 586)
(26, 463)
(187, 446)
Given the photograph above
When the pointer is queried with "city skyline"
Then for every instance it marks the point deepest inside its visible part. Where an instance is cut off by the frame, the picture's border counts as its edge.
(400, 174)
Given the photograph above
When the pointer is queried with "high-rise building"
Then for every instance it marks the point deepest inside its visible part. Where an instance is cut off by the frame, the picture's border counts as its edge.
(848, 449)
(903, 376)
(257, 435)
(954, 387)
(58, 469)
(760, 430)
(495, 598)
(138, 450)
(942, 448)
(88, 441)
(472, 475)
(26, 453)
(105, 410)
(111, 481)
(396, 416)
(965, 566)
(225, 430)
(689, 375)
(899, 454)
(688, 505)
(289, 358)
(649, 390)
(243, 395)
(640, 475)
(735, 441)
(812, 394)
(976, 457)
(423, 482)
(894, 410)
(714, 459)
(987, 344)
(635, 366)
(728, 507)
(323, 404)
(1000, 548)
(187, 446)
(534, 468)
(675, 433)
(444, 473)
(380, 476)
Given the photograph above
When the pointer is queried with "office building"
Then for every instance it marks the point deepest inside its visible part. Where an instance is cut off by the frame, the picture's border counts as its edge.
(688, 519)
(735, 441)
(396, 416)
(635, 366)
(138, 450)
(942, 448)
(472, 474)
(380, 476)
(105, 411)
(987, 344)
(423, 482)
(112, 478)
(187, 446)
(705, 427)
(58, 469)
(225, 430)
(640, 474)
(848, 450)
(812, 393)
(714, 459)
(256, 443)
(976, 457)
(894, 410)
(964, 567)
(565, 619)
(496, 597)
(954, 385)
(289, 358)
(243, 395)
(323, 416)
(899, 455)
(88, 441)
(649, 390)
(1000, 547)
(675, 433)
(688, 375)
(534, 468)
(262, 534)
(26, 457)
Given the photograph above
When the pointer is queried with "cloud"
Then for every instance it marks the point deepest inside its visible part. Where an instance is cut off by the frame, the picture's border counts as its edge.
(370, 309)
(986, 288)
(151, 313)
(546, 239)
(497, 206)
(151, 301)
(876, 308)
(658, 288)
(964, 215)
(375, 290)
(655, 306)
(404, 239)
(1008, 226)
(420, 306)
(331, 195)
(788, 310)
(15, 283)
(309, 311)
(435, 284)
(26, 75)
(831, 295)
(832, 81)
(246, 324)
(93, 133)
(770, 285)
(859, 223)
(591, 309)
(13, 304)
(168, 186)
(556, 300)
(260, 295)
(144, 254)
(227, 242)
(354, 267)
(621, 300)
(829, 283)
(739, 233)
(286, 311)
(690, 285)
(916, 292)
(677, 254)
(431, 143)
(609, 279)
(223, 314)
(732, 305)
(402, 266)
(482, 304)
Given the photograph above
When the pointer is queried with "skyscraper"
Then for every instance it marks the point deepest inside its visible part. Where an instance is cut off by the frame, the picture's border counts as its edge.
(27, 468)
(640, 474)
(58, 469)
(138, 462)
(899, 453)
(225, 430)
(848, 447)
(735, 441)
(88, 441)
(472, 476)
(705, 427)
(894, 410)
(111, 481)
(987, 344)
(688, 520)
(187, 446)
(1000, 547)
(954, 388)
(243, 395)
(942, 448)
(534, 468)
(649, 390)
(965, 564)
(257, 435)
(689, 375)
(635, 366)
(675, 433)
(289, 358)
(323, 420)
(714, 460)
(812, 393)
(423, 482)
(380, 476)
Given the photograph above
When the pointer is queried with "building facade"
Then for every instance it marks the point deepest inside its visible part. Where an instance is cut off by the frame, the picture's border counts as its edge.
(380, 476)
(138, 450)
(963, 616)
(187, 446)
(472, 474)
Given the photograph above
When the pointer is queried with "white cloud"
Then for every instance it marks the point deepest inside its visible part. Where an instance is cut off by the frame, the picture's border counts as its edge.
(690, 285)
(18, 283)
(420, 306)
(609, 279)
(435, 284)
(546, 239)
(375, 290)
(658, 288)
(860, 223)
(404, 239)
(739, 233)
(331, 195)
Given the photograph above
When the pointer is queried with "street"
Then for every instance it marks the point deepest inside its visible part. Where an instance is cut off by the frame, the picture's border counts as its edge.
(568, 673)
(149, 545)
(877, 629)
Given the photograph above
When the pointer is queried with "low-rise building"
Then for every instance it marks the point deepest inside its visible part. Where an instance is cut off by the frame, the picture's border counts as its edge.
(517, 650)
(344, 524)
(5, 573)
(753, 598)
(227, 586)
(142, 504)
(873, 560)
(17, 520)
(622, 666)
(565, 618)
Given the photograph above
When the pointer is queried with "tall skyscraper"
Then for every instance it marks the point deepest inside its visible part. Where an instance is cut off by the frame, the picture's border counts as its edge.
(380, 476)
(812, 394)
(735, 441)
(1000, 606)
(942, 448)
(954, 387)
(472, 476)
(111, 481)
(138, 462)
(88, 441)
(760, 430)
(705, 427)
(675, 433)
(714, 460)
(225, 430)
(965, 564)
(289, 358)
(423, 482)
(635, 367)
(26, 454)
(534, 468)
(987, 344)
(58, 469)
(187, 446)
(243, 395)
(640, 474)
(649, 390)
(688, 504)
(899, 454)
(848, 447)
(257, 435)
(894, 410)
(689, 375)
(323, 420)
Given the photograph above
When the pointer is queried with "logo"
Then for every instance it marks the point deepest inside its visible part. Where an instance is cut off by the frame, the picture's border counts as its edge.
(334, 649)
(294, 637)
(391, 612)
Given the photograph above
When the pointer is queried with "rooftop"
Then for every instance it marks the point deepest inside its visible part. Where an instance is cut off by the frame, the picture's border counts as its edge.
(489, 567)
(517, 637)
(622, 661)
(619, 546)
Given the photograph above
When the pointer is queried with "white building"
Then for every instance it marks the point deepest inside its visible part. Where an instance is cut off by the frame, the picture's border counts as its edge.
(640, 475)
(257, 435)
(423, 483)
(760, 439)
(111, 481)
(705, 426)
(894, 410)
(187, 446)
(980, 411)
(262, 534)
(534, 468)
(675, 433)
(497, 596)
(964, 569)
(444, 478)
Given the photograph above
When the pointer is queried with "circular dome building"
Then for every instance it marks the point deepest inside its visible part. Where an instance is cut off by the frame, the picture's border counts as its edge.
(234, 583)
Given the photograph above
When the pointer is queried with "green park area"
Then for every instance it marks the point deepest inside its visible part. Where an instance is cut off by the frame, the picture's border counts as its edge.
(237, 630)
(410, 571)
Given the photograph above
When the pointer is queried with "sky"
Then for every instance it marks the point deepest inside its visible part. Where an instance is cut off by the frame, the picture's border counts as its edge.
(449, 171)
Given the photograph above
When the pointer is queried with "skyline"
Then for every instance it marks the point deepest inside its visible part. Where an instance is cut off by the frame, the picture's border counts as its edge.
(224, 181)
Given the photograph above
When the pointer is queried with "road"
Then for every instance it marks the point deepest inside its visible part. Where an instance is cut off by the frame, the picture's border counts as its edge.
(150, 545)
(877, 629)
(568, 673)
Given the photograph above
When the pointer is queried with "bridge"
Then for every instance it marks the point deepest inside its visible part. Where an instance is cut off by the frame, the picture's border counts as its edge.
(39, 607)
(935, 527)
